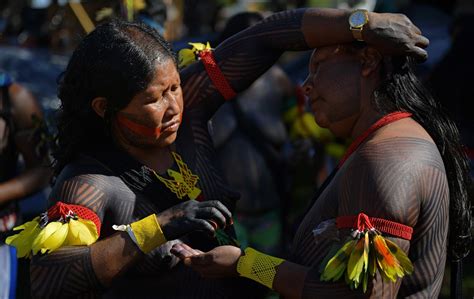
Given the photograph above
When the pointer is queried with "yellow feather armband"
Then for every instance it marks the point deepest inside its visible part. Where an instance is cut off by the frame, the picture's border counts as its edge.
(367, 252)
(189, 56)
(62, 225)
(258, 266)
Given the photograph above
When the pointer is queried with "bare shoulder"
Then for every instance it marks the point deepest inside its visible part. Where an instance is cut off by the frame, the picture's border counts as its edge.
(400, 153)
(403, 146)
(392, 177)
(85, 182)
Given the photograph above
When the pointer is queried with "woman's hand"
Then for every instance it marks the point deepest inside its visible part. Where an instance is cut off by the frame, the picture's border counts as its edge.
(219, 262)
(395, 34)
(192, 215)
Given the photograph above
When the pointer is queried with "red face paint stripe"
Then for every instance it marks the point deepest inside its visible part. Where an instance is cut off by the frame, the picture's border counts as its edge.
(137, 128)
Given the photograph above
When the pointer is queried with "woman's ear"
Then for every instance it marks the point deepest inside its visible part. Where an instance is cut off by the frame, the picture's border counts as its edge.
(99, 105)
(370, 59)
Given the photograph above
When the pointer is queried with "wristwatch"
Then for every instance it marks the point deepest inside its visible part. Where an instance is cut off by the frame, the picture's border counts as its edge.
(357, 20)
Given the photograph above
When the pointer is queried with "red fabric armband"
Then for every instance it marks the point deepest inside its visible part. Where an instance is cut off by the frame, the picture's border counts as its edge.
(216, 75)
(362, 222)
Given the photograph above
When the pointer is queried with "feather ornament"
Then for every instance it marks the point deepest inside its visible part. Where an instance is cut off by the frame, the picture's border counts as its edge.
(363, 255)
(189, 56)
(57, 227)
(23, 241)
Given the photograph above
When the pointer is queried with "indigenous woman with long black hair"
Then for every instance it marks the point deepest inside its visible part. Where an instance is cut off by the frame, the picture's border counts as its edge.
(379, 225)
(129, 184)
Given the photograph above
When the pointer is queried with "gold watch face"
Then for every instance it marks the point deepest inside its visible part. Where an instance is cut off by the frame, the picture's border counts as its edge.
(358, 19)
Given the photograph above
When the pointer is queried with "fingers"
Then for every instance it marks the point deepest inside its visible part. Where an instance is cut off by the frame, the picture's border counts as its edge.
(212, 215)
(192, 257)
(213, 223)
(422, 41)
(395, 34)
(418, 53)
(183, 251)
(222, 209)
(203, 225)
(416, 29)
(189, 248)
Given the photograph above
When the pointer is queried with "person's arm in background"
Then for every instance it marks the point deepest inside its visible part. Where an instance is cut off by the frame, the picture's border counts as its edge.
(248, 54)
(27, 118)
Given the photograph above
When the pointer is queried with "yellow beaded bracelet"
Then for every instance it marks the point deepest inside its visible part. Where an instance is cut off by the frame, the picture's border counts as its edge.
(258, 266)
(147, 233)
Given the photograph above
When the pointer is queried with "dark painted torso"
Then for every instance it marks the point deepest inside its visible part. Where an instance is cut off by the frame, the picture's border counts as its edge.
(131, 192)
(416, 198)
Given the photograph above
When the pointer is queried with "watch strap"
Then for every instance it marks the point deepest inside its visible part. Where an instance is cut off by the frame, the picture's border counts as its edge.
(357, 33)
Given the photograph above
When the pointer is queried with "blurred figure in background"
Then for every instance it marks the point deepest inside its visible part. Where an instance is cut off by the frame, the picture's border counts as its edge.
(21, 133)
(451, 79)
(248, 134)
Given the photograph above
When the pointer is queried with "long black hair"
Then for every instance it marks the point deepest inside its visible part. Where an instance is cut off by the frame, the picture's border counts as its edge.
(402, 91)
(115, 61)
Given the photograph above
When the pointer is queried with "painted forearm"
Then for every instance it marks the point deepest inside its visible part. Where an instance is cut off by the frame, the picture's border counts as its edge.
(289, 280)
(247, 55)
(243, 58)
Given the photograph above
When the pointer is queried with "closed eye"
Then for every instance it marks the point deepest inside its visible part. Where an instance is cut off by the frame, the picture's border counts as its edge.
(152, 100)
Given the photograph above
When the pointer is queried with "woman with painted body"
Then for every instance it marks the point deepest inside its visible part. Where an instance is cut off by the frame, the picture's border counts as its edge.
(124, 125)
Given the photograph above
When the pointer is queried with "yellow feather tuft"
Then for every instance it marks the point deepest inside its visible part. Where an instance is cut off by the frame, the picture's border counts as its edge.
(44, 234)
(366, 251)
(372, 267)
(186, 57)
(356, 261)
(337, 264)
(402, 258)
(386, 261)
(23, 241)
(55, 240)
(81, 232)
(200, 46)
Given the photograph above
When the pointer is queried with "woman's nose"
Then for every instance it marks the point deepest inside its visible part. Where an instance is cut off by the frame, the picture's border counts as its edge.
(173, 107)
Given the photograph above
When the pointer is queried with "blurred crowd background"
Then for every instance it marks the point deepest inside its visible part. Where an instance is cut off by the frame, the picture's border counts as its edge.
(269, 147)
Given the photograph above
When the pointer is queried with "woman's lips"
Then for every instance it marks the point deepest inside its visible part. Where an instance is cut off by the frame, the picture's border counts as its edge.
(171, 127)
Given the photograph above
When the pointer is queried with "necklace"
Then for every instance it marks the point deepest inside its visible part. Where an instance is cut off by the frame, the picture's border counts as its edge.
(182, 183)
(387, 119)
